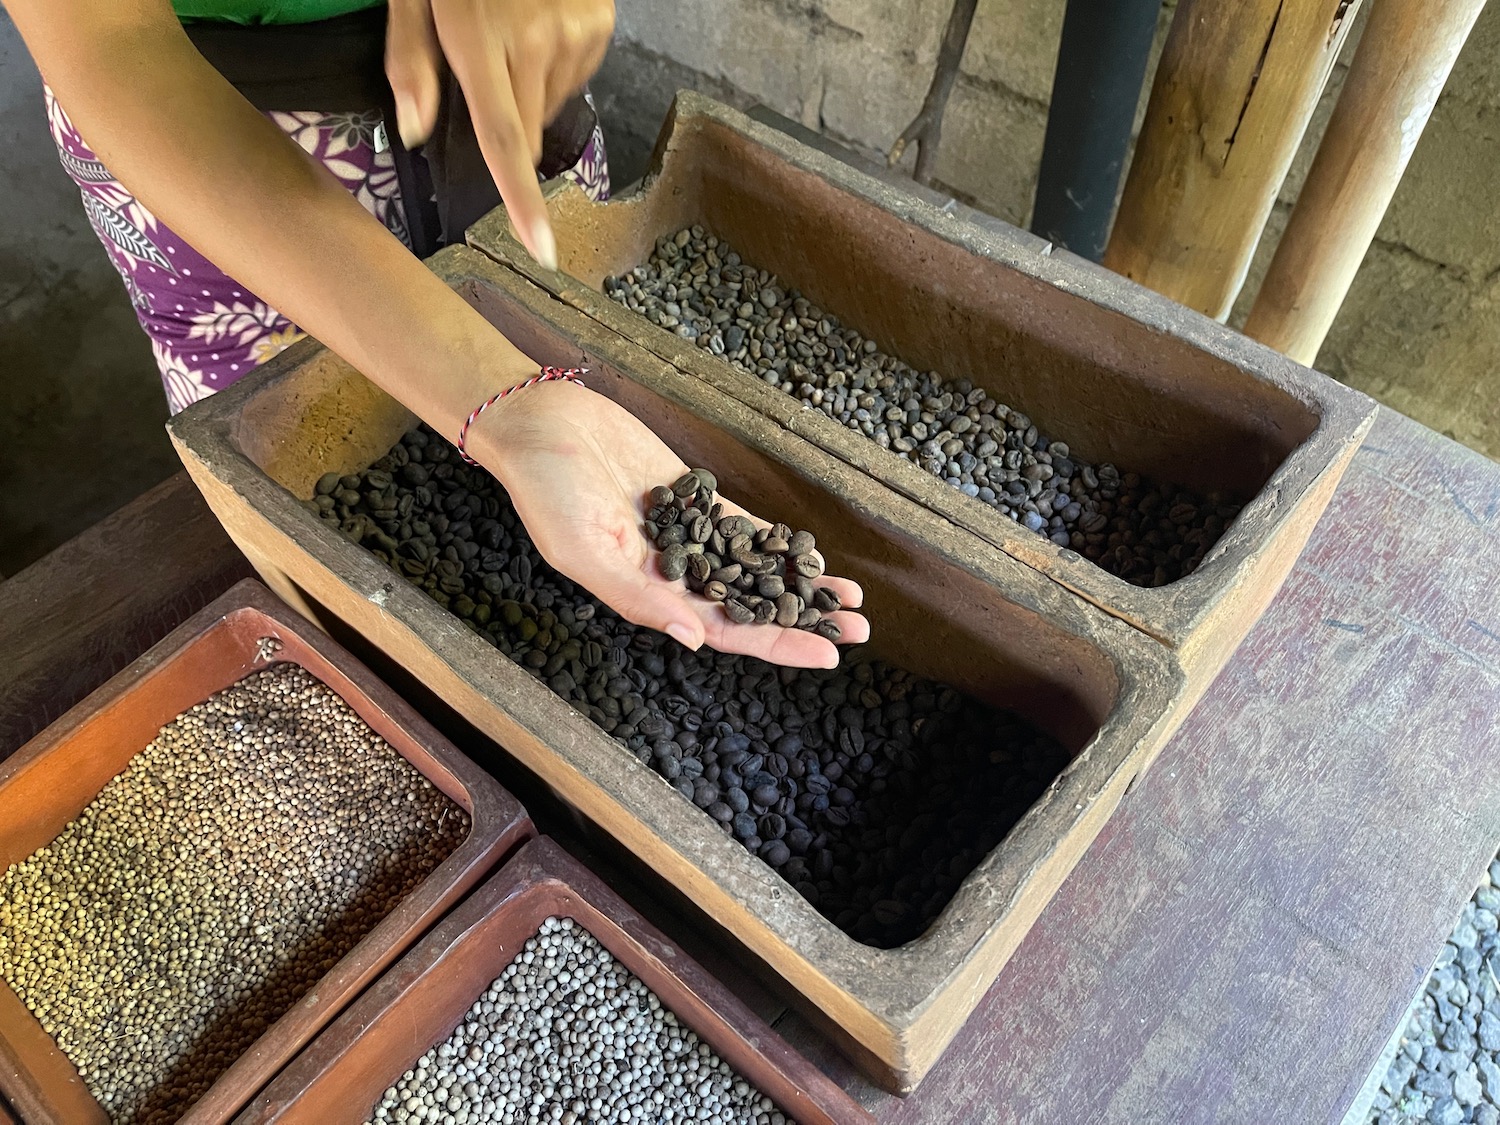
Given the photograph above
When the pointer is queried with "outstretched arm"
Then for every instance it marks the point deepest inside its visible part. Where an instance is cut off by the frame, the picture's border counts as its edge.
(252, 202)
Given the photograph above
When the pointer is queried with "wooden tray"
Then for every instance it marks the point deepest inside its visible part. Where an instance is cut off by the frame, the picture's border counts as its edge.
(49, 781)
(1120, 373)
(940, 601)
(419, 1002)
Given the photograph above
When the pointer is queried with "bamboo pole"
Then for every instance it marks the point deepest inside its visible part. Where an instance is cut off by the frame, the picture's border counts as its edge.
(1404, 58)
(1236, 86)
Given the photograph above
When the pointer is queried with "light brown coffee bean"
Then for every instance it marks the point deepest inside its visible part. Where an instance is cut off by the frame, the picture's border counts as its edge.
(807, 565)
(801, 543)
(739, 613)
(787, 610)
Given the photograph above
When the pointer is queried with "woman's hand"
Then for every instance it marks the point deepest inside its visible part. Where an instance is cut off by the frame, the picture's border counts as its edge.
(578, 467)
(518, 61)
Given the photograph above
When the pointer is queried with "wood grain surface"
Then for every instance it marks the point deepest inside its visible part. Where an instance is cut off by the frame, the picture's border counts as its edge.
(76, 617)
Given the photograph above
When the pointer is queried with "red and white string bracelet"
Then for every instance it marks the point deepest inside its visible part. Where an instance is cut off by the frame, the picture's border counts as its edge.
(546, 375)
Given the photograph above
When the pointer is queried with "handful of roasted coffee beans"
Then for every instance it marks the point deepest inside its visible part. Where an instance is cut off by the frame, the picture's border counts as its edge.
(760, 575)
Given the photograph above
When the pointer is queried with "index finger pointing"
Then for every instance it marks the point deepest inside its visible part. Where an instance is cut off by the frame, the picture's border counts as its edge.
(507, 153)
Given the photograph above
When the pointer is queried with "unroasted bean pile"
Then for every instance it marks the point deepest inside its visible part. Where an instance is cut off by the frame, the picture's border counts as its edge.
(1147, 533)
(568, 1035)
(211, 883)
(871, 790)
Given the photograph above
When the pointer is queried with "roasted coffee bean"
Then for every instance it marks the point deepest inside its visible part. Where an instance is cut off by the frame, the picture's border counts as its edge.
(936, 780)
(674, 562)
(738, 612)
(788, 609)
(807, 565)
(801, 543)
(825, 600)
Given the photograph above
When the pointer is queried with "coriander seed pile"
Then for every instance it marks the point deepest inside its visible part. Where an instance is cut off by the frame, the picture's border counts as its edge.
(569, 1036)
(211, 883)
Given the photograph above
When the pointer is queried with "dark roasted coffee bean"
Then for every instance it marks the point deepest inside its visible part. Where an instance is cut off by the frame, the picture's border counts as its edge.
(787, 610)
(828, 630)
(685, 485)
(807, 565)
(738, 612)
(801, 543)
(661, 496)
(715, 591)
(769, 586)
(882, 787)
(825, 600)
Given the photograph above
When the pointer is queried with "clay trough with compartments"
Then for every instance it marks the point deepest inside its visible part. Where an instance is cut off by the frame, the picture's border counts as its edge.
(425, 996)
(941, 601)
(1118, 372)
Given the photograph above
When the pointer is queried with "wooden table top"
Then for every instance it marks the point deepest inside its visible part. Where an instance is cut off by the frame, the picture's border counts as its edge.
(1248, 931)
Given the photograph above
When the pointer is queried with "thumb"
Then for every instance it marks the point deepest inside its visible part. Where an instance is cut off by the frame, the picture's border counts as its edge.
(654, 605)
(413, 61)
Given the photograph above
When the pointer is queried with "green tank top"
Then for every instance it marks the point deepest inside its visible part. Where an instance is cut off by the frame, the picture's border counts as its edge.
(268, 11)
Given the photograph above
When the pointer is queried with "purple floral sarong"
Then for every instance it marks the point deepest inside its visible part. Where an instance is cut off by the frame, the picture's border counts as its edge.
(206, 329)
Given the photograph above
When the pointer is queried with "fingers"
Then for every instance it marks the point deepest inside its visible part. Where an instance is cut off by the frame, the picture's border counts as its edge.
(651, 602)
(413, 61)
(530, 89)
(502, 131)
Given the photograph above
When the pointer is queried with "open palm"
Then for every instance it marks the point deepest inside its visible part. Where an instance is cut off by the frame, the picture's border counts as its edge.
(578, 467)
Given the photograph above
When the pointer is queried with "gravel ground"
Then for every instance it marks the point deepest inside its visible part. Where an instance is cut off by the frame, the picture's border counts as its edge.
(1447, 1070)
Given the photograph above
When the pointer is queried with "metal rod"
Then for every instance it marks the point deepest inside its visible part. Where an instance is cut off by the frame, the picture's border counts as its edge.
(1101, 63)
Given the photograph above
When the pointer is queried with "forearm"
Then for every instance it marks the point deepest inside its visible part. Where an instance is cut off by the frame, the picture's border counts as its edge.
(248, 199)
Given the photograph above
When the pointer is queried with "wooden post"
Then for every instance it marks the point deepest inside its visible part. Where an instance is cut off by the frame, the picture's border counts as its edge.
(1403, 61)
(1236, 86)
